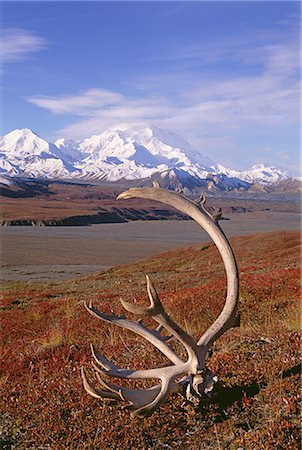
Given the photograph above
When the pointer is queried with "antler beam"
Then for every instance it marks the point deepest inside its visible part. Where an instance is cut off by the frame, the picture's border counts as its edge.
(191, 377)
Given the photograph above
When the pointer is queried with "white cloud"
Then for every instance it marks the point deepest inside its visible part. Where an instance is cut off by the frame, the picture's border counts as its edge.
(101, 108)
(213, 114)
(210, 116)
(283, 59)
(151, 110)
(264, 100)
(82, 104)
(17, 44)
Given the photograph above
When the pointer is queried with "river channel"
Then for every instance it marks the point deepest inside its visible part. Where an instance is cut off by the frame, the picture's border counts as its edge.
(45, 253)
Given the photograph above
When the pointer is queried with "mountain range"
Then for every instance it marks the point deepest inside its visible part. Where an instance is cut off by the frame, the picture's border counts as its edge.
(126, 153)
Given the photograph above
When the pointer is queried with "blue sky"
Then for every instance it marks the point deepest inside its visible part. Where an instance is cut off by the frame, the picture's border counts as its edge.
(223, 75)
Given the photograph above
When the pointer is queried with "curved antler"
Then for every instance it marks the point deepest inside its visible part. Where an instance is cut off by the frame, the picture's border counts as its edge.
(210, 224)
(190, 376)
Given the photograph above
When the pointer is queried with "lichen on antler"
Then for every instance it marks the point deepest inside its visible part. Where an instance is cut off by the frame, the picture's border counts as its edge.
(191, 376)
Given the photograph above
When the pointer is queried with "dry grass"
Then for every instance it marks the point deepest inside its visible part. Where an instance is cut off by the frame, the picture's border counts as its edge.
(46, 332)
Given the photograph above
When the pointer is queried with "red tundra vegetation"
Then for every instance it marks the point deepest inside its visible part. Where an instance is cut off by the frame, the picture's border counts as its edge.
(46, 334)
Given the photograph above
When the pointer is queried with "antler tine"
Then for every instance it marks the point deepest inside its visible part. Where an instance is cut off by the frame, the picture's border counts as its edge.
(158, 313)
(154, 308)
(144, 402)
(137, 398)
(157, 373)
(164, 320)
(150, 335)
(141, 402)
(167, 387)
(97, 393)
(227, 317)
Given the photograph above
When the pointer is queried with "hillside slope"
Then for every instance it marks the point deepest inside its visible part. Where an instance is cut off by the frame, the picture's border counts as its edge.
(48, 332)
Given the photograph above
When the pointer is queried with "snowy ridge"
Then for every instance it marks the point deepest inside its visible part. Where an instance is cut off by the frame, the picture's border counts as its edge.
(22, 152)
(125, 152)
(258, 173)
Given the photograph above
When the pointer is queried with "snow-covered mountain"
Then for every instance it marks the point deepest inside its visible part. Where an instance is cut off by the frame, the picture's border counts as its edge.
(22, 152)
(69, 148)
(258, 173)
(125, 152)
(135, 152)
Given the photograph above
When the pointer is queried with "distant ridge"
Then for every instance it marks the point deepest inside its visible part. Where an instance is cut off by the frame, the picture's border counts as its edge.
(126, 153)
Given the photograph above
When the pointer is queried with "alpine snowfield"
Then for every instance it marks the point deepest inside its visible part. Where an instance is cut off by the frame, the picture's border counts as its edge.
(125, 152)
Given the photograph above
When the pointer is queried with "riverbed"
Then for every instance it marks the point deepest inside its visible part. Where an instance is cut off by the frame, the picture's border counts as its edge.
(55, 253)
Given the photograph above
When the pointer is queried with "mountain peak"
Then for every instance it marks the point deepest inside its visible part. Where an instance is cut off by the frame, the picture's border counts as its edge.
(22, 132)
(23, 140)
(27, 131)
(126, 151)
(24, 152)
(134, 126)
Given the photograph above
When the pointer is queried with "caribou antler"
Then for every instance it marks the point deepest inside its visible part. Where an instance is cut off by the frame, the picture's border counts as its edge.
(191, 377)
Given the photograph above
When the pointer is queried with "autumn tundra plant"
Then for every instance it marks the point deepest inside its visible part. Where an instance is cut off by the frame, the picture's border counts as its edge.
(191, 377)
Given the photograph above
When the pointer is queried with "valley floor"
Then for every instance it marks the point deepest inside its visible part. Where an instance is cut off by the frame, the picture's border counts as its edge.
(54, 253)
